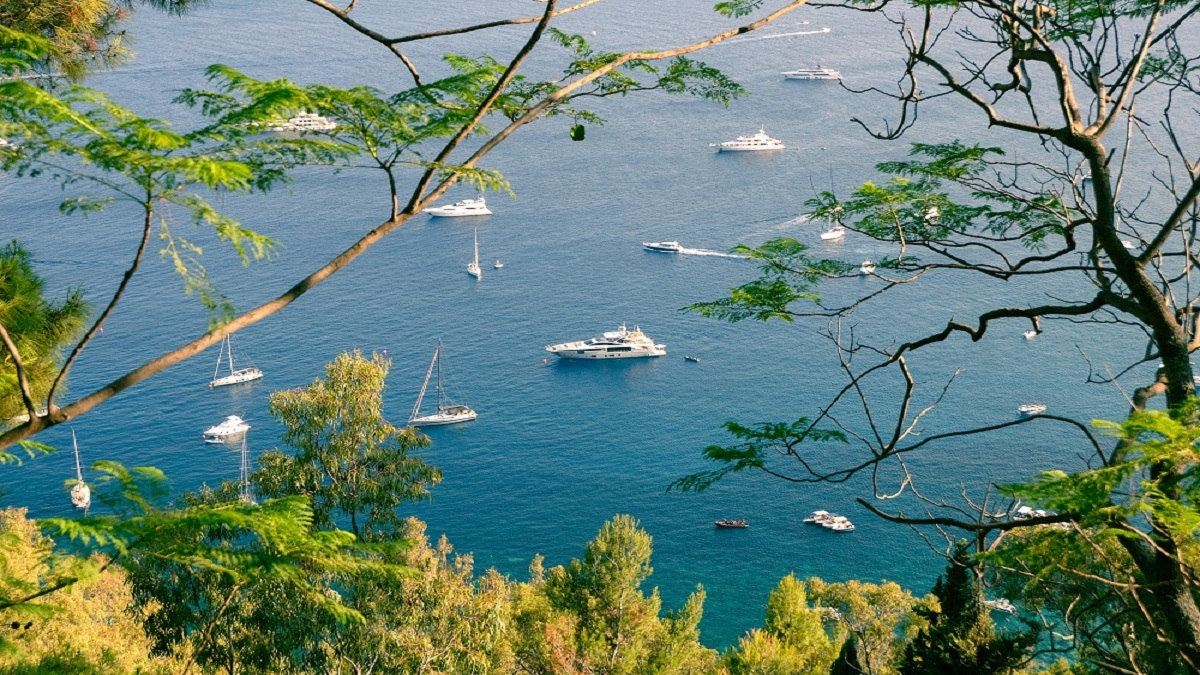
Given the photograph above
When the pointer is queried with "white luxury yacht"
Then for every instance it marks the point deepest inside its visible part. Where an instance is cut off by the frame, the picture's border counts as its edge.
(758, 141)
(304, 121)
(232, 426)
(817, 73)
(618, 344)
(466, 207)
(662, 246)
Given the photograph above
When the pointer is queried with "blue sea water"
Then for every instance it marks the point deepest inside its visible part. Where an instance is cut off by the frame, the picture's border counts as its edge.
(560, 447)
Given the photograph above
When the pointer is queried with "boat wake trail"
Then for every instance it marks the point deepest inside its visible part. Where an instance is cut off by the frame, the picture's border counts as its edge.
(705, 251)
(773, 36)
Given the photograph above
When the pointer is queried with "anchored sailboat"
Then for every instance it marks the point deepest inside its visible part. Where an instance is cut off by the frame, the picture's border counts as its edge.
(446, 413)
(473, 266)
(236, 375)
(81, 494)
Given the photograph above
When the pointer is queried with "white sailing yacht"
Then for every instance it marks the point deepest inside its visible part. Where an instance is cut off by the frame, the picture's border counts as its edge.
(473, 267)
(81, 494)
(446, 413)
(236, 375)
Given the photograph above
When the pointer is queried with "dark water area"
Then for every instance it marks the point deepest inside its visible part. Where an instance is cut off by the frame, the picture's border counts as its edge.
(560, 447)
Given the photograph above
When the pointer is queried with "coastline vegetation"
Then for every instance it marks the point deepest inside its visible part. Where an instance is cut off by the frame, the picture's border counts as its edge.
(1103, 578)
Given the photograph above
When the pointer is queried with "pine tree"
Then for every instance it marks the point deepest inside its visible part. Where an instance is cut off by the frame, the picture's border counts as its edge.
(960, 638)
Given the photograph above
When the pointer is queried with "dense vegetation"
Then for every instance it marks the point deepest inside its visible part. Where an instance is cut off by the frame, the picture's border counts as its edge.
(1104, 580)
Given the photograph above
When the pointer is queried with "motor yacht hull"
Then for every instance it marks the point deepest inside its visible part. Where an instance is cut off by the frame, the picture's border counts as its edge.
(578, 350)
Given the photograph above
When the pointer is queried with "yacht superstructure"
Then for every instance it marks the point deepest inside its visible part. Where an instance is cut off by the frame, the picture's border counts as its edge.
(304, 121)
(619, 344)
(466, 207)
(817, 73)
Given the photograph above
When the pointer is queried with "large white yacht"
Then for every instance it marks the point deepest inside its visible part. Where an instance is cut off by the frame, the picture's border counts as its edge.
(619, 344)
(231, 426)
(304, 121)
(817, 73)
(757, 141)
(466, 207)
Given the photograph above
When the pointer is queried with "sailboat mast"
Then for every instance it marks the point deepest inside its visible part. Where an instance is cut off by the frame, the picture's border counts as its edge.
(220, 355)
(420, 397)
(441, 404)
(477, 247)
(78, 468)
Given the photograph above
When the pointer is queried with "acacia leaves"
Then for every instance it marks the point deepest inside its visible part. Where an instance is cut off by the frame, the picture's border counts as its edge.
(788, 275)
(759, 444)
(1153, 475)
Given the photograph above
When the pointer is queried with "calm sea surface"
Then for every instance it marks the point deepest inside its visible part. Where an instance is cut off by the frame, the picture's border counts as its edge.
(561, 447)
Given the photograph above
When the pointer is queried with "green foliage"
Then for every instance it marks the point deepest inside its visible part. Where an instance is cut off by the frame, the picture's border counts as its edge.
(349, 461)
(788, 275)
(591, 615)
(38, 327)
(960, 637)
(680, 76)
(759, 444)
(793, 639)
(879, 619)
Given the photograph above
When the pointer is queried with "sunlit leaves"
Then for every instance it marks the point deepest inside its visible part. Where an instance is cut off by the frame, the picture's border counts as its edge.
(788, 275)
(758, 445)
(1154, 475)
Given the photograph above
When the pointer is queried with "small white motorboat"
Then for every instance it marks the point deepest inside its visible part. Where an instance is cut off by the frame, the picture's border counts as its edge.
(1030, 334)
(498, 265)
(662, 246)
(817, 517)
(232, 426)
(835, 232)
(465, 207)
(1001, 605)
(867, 267)
(1128, 244)
(1032, 409)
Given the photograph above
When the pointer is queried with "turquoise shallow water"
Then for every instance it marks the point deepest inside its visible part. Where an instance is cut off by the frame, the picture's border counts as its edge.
(561, 447)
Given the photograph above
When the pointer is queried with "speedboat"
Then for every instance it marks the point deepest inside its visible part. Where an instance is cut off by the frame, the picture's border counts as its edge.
(835, 232)
(693, 359)
(818, 516)
(725, 522)
(619, 344)
(867, 267)
(498, 265)
(231, 426)
(758, 141)
(817, 73)
(1000, 605)
(1030, 334)
(1032, 409)
(662, 246)
(465, 207)
(303, 121)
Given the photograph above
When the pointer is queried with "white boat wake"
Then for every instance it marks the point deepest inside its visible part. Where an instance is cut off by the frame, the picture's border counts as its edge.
(773, 36)
(705, 251)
